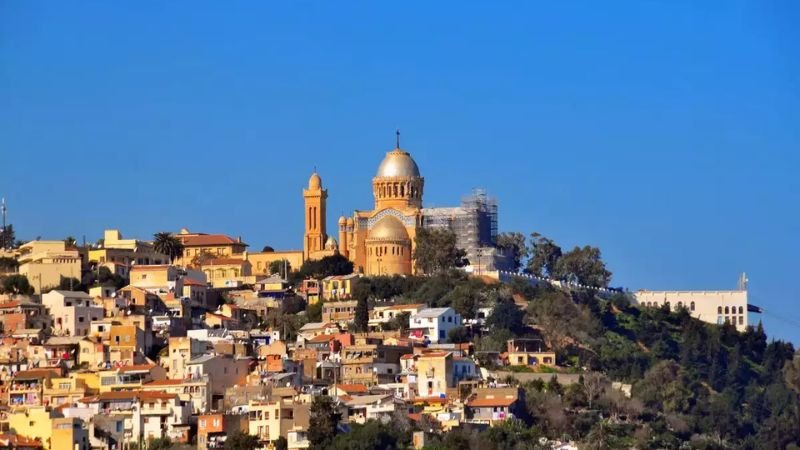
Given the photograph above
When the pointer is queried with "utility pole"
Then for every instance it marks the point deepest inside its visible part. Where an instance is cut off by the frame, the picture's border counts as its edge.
(3, 230)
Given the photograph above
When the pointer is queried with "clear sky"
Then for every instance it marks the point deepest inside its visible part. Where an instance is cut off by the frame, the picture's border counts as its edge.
(664, 132)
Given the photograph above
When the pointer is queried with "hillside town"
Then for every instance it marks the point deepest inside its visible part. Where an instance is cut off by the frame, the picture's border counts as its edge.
(422, 319)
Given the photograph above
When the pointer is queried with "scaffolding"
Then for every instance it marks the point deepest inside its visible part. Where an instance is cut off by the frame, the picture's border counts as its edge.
(474, 224)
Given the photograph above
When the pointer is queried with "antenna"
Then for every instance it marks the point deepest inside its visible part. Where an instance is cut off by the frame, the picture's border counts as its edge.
(742, 284)
(397, 132)
(3, 230)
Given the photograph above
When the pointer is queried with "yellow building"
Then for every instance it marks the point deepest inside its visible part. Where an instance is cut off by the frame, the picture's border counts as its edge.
(116, 250)
(260, 261)
(380, 241)
(197, 246)
(45, 262)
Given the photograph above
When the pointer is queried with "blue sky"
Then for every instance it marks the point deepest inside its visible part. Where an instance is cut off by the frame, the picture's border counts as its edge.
(665, 133)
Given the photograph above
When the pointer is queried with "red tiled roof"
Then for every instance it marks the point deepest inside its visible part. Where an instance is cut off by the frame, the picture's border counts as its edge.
(36, 373)
(352, 388)
(322, 338)
(433, 354)
(430, 400)
(15, 441)
(486, 402)
(11, 304)
(201, 240)
(193, 282)
(136, 368)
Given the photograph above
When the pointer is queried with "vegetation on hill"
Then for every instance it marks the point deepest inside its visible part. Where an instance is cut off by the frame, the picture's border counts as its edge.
(693, 384)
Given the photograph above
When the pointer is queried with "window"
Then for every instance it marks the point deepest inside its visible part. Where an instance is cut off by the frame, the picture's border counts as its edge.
(741, 320)
(202, 423)
(741, 310)
(719, 309)
(64, 385)
(80, 319)
(691, 306)
(727, 311)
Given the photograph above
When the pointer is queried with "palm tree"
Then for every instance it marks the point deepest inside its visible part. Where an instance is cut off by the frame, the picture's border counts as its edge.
(70, 242)
(168, 244)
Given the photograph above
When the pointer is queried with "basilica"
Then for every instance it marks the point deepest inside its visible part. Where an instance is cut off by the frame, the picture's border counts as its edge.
(381, 241)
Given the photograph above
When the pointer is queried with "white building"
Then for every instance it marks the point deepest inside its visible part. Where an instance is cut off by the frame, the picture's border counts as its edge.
(716, 307)
(433, 324)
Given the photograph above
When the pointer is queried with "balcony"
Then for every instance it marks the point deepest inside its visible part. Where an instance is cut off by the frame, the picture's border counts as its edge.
(156, 411)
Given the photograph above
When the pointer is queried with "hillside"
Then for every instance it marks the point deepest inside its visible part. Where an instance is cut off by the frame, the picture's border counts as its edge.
(693, 383)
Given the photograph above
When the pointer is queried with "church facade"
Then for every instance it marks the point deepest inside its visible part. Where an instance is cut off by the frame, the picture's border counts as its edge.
(380, 241)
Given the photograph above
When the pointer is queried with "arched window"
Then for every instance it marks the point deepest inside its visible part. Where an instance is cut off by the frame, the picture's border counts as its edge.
(719, 309)
(402, 190)
(691, 306)
(741, 310)
(680, 305)
(727, 311)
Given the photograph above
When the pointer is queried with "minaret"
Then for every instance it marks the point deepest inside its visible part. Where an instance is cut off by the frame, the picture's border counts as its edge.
(315, 198)
(343, 249)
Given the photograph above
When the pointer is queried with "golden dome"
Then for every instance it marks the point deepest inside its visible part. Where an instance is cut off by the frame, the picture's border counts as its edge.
(389, 228)
(315, 182)
(342, 220)
(398, 163)
(350, 221)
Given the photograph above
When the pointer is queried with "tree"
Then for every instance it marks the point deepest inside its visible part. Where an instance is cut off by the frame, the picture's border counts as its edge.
(436, 251)
(594, 383)
(280, 267)
(513, 244)
(7, 237)
(8, 264)
(164, 443)
(583, 266)
(241, 441)
(507, 316)
(327, 266)
(458, 335)
(544, 255)
(70, 242)
(323, 423)
(17, 284)
(361, 320)
(267, 249)
(168, 244)
(373, 435)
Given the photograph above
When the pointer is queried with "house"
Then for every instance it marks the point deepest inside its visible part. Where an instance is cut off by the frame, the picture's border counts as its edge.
(115, 250)
(361, 408)
(273, 286)
(18, 442)
(529, 352)
(433, 324)
(313, 329)
(72, 312)
(222, 371)
(195, 392)
(494, 405)
(197, 246)
(27, 387)
(126, 343)
(371, 364)
(180, 351)
(49, 427)
(45, 263)
(224, 272)
(381, 315)
(129, 377)
(270, 420)
(213, 429)
(138, 415)
(63, 390)
(433, 373)
(340, 312)
(21, 313)
(336, 287)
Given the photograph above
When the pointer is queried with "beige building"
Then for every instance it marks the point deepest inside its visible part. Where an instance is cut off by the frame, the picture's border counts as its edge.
(717, 307)
(45, 262)
(117, 250)
(73, 312)
(199, 246)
